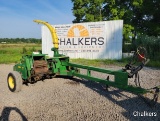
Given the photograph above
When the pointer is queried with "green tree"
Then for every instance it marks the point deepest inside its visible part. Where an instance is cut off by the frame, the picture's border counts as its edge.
(87, 10)
(140, 16)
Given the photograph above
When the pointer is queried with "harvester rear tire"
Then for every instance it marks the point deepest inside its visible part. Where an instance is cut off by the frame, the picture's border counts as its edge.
(14, 81)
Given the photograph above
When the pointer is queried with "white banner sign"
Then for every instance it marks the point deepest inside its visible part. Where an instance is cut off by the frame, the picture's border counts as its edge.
(92, 40)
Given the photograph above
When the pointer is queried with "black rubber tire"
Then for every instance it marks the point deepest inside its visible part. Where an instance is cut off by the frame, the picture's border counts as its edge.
(17, 81)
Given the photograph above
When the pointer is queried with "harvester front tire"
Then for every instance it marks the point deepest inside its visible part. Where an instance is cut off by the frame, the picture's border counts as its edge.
(14, 81)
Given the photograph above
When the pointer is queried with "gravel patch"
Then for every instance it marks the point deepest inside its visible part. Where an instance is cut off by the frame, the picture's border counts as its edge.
(63, 99)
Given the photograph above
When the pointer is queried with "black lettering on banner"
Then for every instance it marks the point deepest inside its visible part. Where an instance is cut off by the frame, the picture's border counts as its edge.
(80, 41)
(68, 41)
(93, 40)
(100, 41)
(87, 41)
(73, 41)
(61, 41)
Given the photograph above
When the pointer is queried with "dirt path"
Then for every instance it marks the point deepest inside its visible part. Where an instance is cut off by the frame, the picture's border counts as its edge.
(65, 99)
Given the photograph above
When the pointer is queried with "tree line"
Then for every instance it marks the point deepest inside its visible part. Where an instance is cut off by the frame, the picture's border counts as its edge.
(139, 16)
(20, 40)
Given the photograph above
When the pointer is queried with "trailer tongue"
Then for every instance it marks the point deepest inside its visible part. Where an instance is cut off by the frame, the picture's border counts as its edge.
(37, 67)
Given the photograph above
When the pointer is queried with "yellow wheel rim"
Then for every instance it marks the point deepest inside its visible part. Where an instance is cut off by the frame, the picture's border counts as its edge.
(11, 82)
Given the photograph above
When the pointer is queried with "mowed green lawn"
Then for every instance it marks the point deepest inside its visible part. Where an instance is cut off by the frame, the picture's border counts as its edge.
(12, 53)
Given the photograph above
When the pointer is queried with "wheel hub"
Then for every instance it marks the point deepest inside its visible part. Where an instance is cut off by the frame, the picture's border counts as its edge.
(11, 82)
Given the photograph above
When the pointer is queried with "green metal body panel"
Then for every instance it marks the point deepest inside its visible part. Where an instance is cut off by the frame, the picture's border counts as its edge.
(21, 68)
(24, 68)
(58, 66)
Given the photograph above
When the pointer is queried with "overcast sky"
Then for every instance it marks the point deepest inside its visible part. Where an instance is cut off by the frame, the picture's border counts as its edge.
(16, 16)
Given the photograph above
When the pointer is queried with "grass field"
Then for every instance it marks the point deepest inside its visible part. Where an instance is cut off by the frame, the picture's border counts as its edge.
(12, 53)
(98, 62)
(122, 62)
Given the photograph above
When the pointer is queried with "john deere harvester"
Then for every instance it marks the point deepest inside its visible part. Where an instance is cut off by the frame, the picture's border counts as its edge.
(37, 66)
